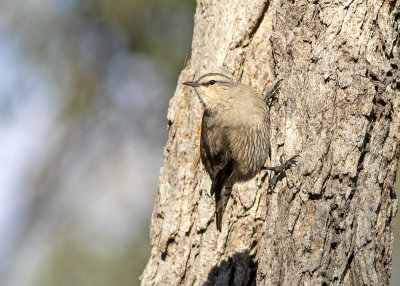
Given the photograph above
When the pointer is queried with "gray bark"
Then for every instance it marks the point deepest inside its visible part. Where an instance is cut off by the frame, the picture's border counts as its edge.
(328, 220)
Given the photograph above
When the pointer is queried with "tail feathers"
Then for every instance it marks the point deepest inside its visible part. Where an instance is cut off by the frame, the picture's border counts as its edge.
(221, 200)
(218, 210)
(222, 193)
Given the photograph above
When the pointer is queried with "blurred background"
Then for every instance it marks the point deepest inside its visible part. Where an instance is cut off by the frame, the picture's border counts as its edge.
(84, 91)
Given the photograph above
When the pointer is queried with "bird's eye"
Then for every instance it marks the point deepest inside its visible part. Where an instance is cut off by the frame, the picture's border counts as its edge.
(211, 82)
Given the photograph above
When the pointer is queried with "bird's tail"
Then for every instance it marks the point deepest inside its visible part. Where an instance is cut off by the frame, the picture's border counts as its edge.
(222, 192)
(222, 196)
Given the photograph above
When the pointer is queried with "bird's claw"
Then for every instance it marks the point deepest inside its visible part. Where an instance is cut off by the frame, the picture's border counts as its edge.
(292, 162)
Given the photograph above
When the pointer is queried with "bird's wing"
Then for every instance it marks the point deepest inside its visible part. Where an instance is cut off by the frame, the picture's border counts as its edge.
(217, 159)
(214, 147)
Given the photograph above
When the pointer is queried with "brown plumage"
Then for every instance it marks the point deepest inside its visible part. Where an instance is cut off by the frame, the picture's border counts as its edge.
(234, 142)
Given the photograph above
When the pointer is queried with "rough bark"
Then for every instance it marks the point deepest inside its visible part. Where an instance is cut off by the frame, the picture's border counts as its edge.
(328, 220)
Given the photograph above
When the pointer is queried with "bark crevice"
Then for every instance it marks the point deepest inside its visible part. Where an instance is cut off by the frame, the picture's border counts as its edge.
(329, 219)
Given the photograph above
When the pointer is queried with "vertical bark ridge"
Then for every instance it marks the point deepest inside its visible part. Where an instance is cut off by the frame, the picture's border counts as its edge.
(328, 221)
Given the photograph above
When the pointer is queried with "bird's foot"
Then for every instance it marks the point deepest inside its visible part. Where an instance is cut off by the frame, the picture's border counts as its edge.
(284, 165)
(270, 98)
(278, 170)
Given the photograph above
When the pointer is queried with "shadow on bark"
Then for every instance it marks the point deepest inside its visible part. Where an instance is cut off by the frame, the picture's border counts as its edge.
(239, 269)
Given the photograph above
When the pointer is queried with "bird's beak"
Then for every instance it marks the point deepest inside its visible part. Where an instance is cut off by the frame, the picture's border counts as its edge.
(191, 83)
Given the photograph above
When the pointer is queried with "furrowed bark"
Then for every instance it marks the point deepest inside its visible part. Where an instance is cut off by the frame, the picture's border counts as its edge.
(328, 220)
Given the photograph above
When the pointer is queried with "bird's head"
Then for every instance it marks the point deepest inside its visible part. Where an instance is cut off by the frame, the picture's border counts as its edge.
(212, 88)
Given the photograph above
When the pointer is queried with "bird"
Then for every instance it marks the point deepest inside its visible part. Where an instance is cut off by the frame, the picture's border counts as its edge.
(235, 134)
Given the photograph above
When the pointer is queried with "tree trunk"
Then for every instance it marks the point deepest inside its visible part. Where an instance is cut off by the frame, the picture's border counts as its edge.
(328, 221)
